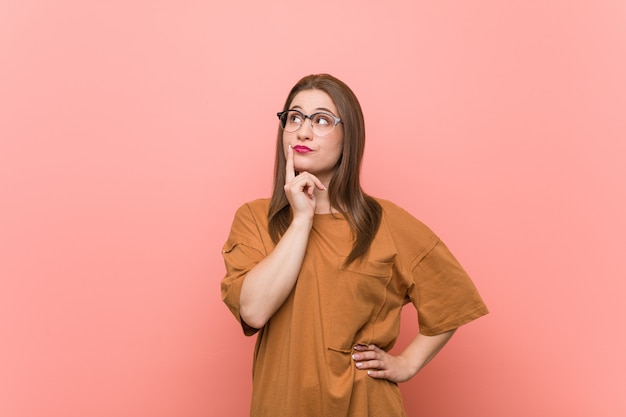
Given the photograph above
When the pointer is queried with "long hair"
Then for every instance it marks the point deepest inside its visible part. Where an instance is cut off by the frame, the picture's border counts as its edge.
(362, 212)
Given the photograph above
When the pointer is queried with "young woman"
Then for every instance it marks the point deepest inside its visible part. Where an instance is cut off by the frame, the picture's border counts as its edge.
(322, 270)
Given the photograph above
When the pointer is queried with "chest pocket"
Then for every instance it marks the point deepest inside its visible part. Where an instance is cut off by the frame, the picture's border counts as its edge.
(359, 297)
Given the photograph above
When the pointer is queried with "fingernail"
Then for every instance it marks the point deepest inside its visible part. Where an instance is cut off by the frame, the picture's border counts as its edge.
(355, 356)
(358, 365)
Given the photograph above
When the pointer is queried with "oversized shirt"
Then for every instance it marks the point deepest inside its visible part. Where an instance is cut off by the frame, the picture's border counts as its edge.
(302, 359)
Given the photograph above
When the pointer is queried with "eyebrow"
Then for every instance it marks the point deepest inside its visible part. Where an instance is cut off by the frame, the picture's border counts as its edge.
(315, 110)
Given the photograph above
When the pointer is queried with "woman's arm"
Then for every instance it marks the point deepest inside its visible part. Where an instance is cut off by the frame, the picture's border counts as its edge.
(269, 283)
(401, 368)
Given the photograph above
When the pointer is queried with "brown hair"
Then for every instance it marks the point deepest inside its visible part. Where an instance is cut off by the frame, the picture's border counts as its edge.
(362, 212)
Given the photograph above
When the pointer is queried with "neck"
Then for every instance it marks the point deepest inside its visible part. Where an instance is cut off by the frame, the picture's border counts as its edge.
(322, 205)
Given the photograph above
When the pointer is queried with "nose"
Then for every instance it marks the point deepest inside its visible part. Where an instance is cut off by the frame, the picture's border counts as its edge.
(306, 130)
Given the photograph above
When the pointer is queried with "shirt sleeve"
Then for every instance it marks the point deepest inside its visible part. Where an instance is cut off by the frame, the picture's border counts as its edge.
(442, 292)
(242, 251)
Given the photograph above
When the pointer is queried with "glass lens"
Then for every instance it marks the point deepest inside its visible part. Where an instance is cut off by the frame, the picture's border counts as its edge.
(292, 120)
(322, 123)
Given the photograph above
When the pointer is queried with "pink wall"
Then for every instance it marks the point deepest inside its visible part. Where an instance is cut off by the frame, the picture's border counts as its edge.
(130, 132)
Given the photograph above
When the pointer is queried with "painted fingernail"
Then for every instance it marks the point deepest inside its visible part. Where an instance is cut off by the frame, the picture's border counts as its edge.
(355, 356)
(359, 364)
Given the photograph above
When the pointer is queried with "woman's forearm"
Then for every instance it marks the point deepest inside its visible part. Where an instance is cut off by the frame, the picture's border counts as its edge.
(423, 349)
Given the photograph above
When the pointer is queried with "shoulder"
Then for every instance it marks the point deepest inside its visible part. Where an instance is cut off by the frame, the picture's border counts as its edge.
(396, 214)
(390, 207)
(405, 228)
(249, 226)
(255, 208)
(251, 215)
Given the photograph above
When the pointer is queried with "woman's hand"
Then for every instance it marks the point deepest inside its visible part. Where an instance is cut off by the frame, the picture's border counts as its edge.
(300, 189)
(381, 365)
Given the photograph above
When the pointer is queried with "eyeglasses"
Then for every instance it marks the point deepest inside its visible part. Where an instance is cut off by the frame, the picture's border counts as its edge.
(322, 123)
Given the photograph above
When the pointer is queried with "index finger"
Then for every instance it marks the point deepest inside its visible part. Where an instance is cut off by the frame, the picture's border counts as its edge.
(290, 172)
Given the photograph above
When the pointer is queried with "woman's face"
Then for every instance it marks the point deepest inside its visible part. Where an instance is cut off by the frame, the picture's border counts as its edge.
(315, 154)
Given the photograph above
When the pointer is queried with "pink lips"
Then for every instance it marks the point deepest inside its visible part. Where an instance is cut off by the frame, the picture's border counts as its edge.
(301, 149)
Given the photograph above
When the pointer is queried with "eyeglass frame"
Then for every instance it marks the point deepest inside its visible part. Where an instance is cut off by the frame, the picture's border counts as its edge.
(336, 119)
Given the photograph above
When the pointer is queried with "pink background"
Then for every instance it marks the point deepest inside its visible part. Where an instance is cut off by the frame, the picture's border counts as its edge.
(131, 131)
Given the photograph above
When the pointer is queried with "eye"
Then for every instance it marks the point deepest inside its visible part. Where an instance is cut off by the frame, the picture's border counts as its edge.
(323, 119)
(294, 117)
